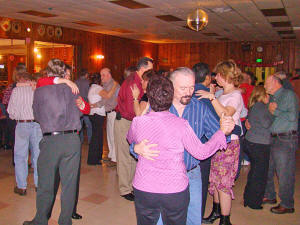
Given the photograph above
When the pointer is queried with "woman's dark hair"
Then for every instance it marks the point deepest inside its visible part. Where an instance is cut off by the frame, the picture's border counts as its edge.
(148, 74)
(160, 92)
(95, 78)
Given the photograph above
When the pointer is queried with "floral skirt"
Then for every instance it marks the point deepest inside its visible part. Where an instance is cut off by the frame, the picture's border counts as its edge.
(224, 167)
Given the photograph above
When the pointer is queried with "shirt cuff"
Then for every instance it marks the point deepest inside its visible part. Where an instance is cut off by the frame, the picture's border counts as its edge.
(55, 80)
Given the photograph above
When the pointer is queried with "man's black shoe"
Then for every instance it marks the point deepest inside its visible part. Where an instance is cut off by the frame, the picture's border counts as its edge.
(129, 197)
(28, 223)
(76, 216)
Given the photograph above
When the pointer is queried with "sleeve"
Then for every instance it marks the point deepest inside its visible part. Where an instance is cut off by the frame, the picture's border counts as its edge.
(86, 110)
(44, 81)
(212, 125)
(202, 151)
(11, 105)
(131, 150)
(289, 110)
(266, 119)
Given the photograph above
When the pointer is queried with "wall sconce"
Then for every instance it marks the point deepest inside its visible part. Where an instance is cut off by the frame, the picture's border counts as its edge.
(99, 56)
(28, 29)
(38, 56)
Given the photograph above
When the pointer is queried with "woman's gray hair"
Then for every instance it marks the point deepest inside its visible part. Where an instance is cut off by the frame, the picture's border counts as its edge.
(56, 68)
(182, 71)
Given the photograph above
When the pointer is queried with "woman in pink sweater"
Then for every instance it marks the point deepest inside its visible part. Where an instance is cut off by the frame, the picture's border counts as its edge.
(161, 185)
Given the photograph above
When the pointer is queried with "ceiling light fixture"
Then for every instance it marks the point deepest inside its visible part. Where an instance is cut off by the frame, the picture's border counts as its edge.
(222, 9)
(197, 20)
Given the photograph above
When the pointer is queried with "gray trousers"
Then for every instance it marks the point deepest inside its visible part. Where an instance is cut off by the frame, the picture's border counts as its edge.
(282, 161)
(60, 152)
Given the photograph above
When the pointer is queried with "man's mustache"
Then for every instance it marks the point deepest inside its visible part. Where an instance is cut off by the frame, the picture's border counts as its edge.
(187, 96)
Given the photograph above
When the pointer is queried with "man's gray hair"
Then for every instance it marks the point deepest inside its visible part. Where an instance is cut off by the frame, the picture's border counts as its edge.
(281, 75)
(56, 68)
(182, 71)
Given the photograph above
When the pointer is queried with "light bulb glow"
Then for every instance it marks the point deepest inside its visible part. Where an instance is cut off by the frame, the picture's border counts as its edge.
(35, 50)
(38, 56)
(99, 56)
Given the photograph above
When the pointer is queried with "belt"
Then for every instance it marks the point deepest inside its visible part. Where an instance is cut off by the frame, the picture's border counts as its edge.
(59, 132)
(192, 168)
(25, 121)
(110, 111)
(292, 132)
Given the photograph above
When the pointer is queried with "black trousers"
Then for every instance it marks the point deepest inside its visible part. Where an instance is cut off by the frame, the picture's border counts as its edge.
(259, 155)
(96, 144)
(62, 153)
(173, 207)
(205, 170)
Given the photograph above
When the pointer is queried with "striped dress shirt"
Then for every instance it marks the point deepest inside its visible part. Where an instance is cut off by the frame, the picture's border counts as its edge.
(20, 104)
(203, 122)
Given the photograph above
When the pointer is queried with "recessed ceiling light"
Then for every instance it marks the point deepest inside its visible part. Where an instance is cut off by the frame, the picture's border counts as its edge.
(222, 9)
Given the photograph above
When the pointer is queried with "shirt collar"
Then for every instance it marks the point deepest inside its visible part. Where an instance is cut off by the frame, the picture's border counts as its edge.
(200, 86)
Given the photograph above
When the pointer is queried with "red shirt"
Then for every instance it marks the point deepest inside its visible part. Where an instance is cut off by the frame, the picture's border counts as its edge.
(44, 81)
(247, 92)
(125, 98)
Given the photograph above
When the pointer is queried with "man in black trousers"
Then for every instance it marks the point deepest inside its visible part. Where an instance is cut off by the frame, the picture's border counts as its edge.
(58, 111)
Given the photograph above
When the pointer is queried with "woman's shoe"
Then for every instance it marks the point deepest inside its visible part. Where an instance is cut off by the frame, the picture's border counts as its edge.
(225, 220)
(214, 215)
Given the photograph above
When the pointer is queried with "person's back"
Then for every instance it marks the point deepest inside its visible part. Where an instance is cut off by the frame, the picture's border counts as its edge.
(167, 172)
(58, 111)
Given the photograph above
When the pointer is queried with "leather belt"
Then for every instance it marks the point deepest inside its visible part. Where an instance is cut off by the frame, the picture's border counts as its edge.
(192, 168)
(59, 132)
(110, 111)
(284, 134)
(25, 121)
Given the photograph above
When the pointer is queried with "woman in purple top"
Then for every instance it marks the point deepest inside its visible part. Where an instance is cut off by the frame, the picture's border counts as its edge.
(161, 185)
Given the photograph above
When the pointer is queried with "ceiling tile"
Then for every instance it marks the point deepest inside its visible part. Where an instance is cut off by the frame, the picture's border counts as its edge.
(274, 12)
(130, 4)
(169, 18)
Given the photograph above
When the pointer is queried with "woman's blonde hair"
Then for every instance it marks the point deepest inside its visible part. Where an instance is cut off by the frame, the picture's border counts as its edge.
(230, 72)
(258, 94)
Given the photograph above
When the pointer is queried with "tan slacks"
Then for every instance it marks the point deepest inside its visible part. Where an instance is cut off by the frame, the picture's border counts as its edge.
(125, 162)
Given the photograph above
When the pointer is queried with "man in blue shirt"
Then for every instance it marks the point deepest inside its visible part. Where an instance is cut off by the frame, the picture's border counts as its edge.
(203, 122)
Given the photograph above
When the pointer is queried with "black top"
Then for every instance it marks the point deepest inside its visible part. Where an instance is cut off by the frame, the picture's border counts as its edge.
(144, 98)
(54, 107)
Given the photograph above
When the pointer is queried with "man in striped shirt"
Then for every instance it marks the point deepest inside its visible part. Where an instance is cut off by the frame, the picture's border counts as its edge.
(203, 122)
(28, 133)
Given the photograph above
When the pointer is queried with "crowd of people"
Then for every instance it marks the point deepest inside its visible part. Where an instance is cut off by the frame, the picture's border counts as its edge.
(173, 137)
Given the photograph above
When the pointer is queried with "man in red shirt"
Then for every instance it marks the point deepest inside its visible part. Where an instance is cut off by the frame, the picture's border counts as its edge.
(125, 113)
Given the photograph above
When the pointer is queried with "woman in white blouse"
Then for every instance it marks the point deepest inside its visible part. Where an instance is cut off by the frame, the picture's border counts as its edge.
(97, 115)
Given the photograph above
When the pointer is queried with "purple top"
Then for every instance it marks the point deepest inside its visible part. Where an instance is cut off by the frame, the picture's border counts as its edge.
(167, 173)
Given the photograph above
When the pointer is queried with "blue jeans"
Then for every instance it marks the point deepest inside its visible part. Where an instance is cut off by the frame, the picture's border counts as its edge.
(283, 161)
(88, 125)
(195, 206)
(26, 134)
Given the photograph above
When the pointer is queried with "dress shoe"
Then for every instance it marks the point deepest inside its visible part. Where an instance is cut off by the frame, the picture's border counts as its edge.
(269, 201)
(20, 191)
(111, 164)
(76, 216)
(281, 210)
(28, 223)
(129, 197)
(94, 164)
(214, 215)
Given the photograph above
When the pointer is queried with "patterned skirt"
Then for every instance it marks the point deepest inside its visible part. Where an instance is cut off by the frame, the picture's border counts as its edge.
(223, 170)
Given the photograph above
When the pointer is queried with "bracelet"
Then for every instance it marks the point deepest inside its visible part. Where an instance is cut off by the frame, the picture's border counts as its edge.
(135, 99)
(214, 98)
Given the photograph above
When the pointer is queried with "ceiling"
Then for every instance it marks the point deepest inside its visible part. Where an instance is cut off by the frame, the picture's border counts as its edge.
(244, 22)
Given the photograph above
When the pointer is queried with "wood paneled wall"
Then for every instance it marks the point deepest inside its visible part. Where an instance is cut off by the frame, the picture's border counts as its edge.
(121, 52)
(187, 54)
(118, 52)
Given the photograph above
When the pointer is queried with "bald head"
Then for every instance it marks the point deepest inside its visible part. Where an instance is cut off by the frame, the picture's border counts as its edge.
(105, 75)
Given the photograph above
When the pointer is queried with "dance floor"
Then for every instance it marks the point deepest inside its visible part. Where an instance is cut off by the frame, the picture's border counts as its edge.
(101, 204)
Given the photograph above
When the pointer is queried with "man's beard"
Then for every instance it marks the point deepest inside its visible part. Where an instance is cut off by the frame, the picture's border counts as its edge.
(185, 99)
